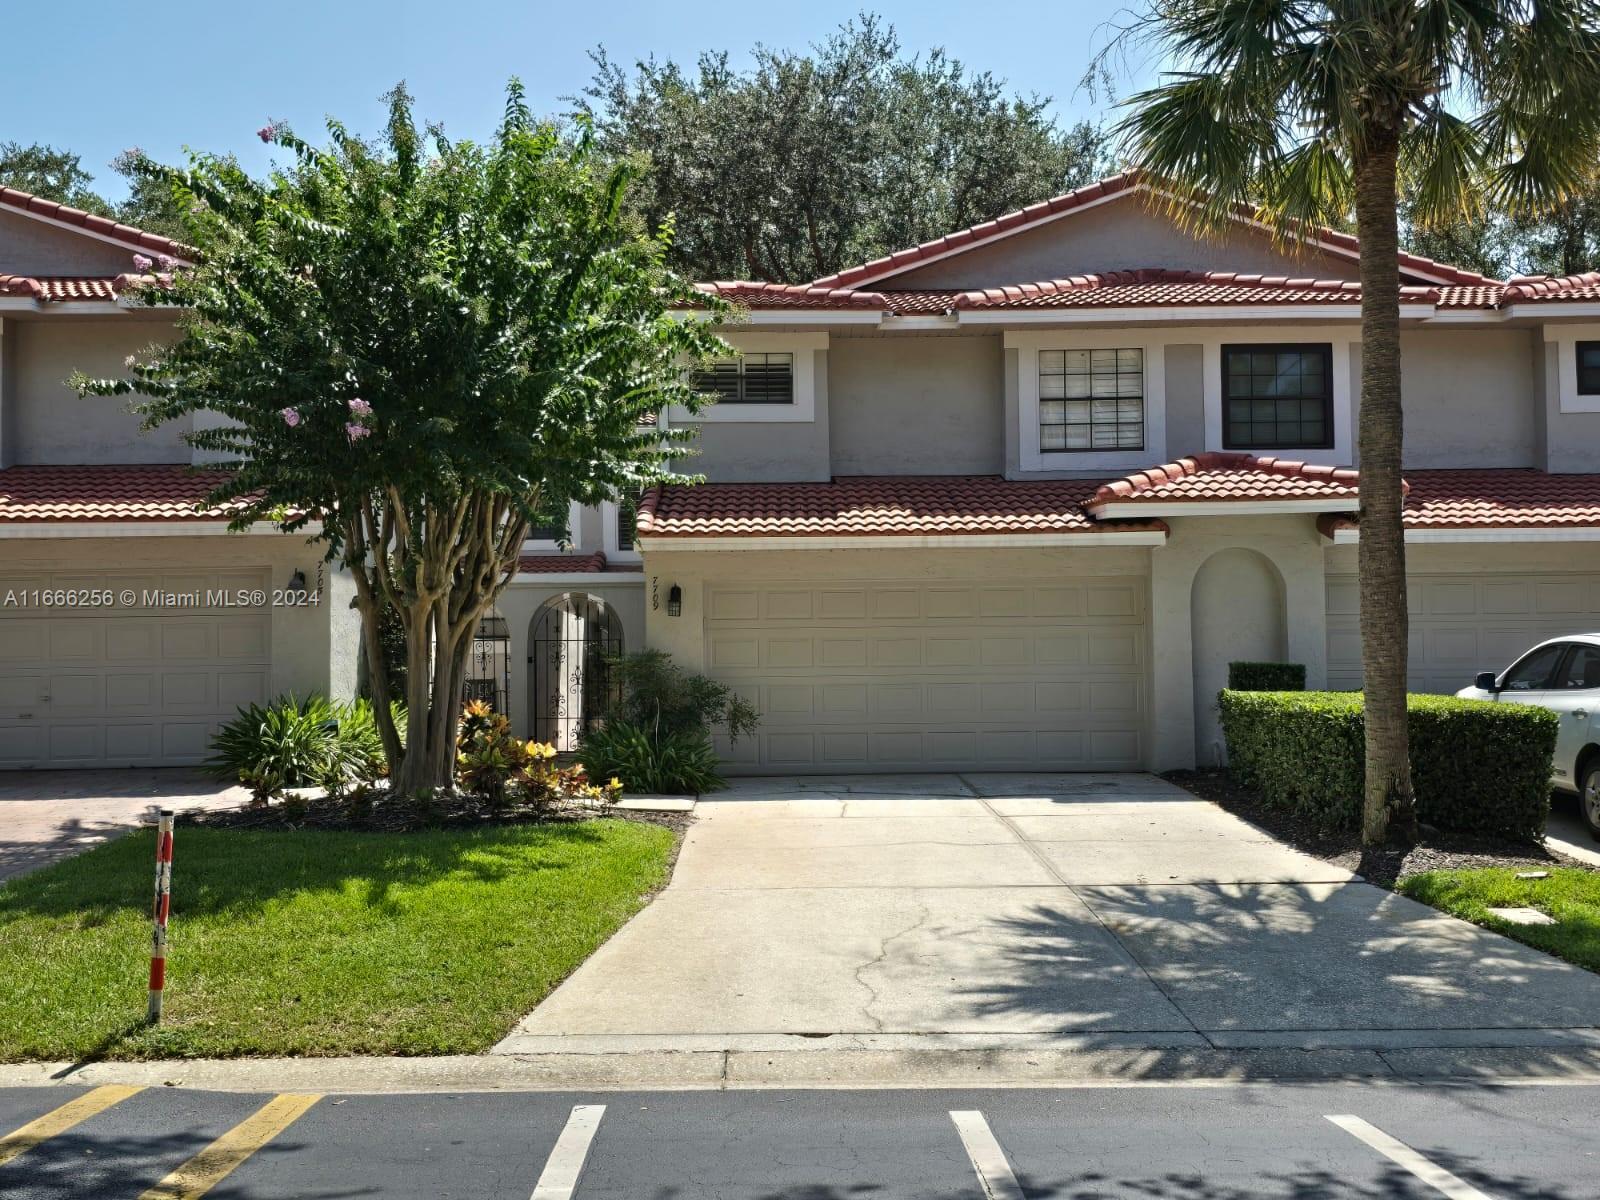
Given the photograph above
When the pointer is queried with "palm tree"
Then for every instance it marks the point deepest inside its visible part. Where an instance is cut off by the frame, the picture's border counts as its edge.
(1307, 111)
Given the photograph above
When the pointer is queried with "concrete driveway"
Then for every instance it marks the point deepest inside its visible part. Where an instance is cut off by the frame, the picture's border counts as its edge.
(1012, 910)
(48, 815)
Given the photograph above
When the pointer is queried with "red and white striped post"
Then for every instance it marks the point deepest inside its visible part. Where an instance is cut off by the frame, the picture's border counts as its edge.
(162, 906)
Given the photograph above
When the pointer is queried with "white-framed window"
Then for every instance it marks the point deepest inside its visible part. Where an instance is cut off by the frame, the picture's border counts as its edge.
(620, 537)
(774, 379)
(1091, 399)
(552, 538)
(1574, 366)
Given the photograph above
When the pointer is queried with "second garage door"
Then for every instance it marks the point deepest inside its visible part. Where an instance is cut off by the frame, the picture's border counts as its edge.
(140, 684)
(897, 676)
(1462, 624)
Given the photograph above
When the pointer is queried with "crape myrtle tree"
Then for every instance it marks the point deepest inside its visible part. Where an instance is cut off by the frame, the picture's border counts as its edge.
(415, 350)
(1309, 110)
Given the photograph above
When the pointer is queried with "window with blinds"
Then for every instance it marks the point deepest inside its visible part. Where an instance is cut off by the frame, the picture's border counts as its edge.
(766, 378)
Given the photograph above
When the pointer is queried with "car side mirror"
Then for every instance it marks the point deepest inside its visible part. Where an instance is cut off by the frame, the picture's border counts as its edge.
(1486, 682)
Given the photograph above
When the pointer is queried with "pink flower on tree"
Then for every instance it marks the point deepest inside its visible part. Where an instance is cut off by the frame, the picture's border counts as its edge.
(267, 132)
(142, 263)
(167, 261)
(130, 360)
(360, 407)
(291, 417)
(356, 430)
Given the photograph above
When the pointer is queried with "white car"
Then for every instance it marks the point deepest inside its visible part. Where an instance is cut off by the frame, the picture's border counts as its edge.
(1562, 675)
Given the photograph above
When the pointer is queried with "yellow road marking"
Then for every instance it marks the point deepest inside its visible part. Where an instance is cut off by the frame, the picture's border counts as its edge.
(213, 1164)
(61, 1119)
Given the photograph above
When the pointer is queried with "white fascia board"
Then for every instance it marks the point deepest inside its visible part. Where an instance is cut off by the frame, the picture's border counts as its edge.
(588, 578)
(123, 529)
(1584, 309)
(1351, 537)
(957, 541)
(122, 243)
(792, 317)
(1112, 510)
(922, 321)
(1185, 313)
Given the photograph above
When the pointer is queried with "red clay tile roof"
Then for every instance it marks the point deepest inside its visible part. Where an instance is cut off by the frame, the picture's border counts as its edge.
(1215, 477)
(1585, 286)
(1508, 498)
(106, 493)
(1128, 181)
(47, 288)
(908, 505)
(138, 239)
(585, 564)
(788, 295)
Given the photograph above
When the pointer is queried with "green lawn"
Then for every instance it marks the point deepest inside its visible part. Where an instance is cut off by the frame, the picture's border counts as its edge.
(1569, 895)
(314, 942)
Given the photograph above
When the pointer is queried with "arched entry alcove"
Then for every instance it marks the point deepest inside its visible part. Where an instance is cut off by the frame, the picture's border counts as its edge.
(570, 639)
(1236, 612)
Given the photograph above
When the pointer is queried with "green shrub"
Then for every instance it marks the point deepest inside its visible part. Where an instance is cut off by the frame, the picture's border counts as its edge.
(1476, 766)
(287, 743)
(293, 742)
(680, 762)
(1267, 676)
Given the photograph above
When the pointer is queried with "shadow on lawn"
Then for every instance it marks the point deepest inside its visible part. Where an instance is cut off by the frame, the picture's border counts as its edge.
(238, 872)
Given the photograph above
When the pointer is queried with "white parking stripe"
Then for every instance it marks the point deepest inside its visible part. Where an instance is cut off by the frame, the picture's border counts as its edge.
(562, 1169)
(1397, 1151)
(988, 1160)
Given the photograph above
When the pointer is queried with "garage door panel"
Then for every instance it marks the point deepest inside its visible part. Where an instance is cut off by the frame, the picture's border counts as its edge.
(139, 685)
(1042, 674)
(1465, 623)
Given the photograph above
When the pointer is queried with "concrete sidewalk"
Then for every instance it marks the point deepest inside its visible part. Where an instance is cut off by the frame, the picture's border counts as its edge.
(1079, 913)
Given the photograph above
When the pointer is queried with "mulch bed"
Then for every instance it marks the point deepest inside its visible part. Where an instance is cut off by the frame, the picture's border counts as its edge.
(1384, 865)
(387, 814)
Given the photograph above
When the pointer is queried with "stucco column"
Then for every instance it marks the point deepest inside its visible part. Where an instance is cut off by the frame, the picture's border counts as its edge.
(1172, 569)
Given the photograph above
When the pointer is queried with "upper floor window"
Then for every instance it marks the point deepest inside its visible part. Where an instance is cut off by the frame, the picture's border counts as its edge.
(1277, 397)
(754, 378)
(1091, 400)
(1588, 368)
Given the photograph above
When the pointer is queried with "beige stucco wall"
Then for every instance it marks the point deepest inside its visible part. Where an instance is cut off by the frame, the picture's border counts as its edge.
(1121, 234)
(29, 246)
(1186, 399)
(1469, 397)
(729, 451)
(1292, 546)
(521, 600)
(49, 423)
(1571, 440)
(313, 647)
(913, 405)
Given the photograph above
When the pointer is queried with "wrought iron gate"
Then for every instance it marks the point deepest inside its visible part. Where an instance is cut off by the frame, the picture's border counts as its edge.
(574, 638)
(489, 665)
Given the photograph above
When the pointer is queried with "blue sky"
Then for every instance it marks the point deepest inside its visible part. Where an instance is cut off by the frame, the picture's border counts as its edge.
(207, 73)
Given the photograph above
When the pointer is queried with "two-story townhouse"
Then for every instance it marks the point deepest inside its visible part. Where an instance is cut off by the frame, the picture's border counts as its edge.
(1008, 500)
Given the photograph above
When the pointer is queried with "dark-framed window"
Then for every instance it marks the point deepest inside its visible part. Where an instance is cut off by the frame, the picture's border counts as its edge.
(1091, 400)
(750, 379)
(1277, 396)
(1532, 672)
(1588, 368)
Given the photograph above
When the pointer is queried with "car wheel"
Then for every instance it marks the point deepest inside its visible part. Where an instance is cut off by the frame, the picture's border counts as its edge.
(1589, 799)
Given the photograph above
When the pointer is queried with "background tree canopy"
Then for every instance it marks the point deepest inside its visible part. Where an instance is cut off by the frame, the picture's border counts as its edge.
(812, 162)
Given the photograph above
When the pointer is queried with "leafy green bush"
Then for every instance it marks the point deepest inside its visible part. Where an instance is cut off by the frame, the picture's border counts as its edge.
(680, 762)
(657, 733)
(1476, 766)
(1267, 676)
(293, 742)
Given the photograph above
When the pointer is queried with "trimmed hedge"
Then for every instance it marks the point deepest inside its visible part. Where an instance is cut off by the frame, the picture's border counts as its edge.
(1476, 766)
(1267, 676)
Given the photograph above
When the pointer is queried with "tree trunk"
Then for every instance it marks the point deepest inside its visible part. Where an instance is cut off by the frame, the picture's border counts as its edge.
(1389, 806)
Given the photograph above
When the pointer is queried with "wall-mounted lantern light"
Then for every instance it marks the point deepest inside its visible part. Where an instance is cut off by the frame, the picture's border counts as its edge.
(675, 601)
(297, 582)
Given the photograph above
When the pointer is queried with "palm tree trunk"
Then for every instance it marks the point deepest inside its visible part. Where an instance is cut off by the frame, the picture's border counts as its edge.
(1389, 806)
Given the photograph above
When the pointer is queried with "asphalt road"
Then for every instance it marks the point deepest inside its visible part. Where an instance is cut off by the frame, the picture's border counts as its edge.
(1180, 1141)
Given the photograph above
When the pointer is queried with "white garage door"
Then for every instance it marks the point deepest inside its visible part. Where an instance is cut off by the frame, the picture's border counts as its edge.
(1463, 624)
(144, 684)
(895, 676)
